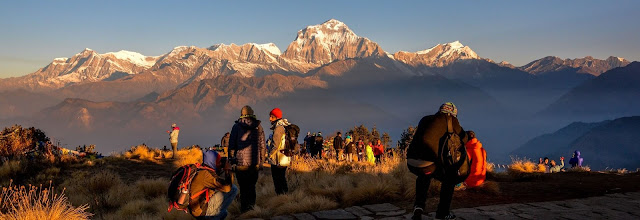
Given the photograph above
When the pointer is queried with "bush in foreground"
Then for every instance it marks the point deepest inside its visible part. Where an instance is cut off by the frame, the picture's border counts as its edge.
(30, 202)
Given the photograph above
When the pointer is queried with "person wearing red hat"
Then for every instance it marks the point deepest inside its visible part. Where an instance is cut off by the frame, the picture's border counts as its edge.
(278, 160)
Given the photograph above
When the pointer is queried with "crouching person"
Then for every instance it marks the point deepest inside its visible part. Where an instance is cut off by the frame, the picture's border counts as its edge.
(212, 192)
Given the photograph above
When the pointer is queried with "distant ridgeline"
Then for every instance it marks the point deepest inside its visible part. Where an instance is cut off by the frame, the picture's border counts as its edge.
(606, 144)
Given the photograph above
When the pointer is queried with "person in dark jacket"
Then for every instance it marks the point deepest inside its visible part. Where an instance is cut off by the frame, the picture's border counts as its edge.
(246, 151)
(307, 143)
(317, 144)
(422, 156)
(338, 146)
(214, 190)
(576, 160)
(224, 143)
(350, 149)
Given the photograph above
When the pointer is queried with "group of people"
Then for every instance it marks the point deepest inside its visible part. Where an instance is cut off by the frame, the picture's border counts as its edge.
(248, 150)
(345, 149)
(552, 167)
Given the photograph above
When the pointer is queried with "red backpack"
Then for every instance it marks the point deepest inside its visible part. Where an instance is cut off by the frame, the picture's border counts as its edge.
(180, 186)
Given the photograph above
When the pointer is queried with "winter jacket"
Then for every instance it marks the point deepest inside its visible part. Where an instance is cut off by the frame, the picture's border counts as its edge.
(370, 157)
(317, 143)
(247, 143)
(208, 180)
(378, 150)
(276, 155)
(557, 168)
(309, 142)
(173, 136)
(576, 160)
(423, 149)
(337, 143)
(350, 148)
(478, 157)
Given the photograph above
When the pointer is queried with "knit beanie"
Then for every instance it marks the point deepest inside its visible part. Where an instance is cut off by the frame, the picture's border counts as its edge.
(246, 111)
(276, 112)
(449, 108)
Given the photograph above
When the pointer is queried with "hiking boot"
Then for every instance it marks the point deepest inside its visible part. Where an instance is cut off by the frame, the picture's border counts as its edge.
(417, 213)
(450, 216)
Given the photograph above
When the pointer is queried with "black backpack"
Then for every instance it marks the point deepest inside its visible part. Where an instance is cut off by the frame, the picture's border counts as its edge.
(179, 192)
(291, 146)
(453, 158)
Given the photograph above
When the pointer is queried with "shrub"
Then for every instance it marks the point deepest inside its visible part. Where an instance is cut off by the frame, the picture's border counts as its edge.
(8, 170)
(525, 166)
(579, 169)
(30, 202)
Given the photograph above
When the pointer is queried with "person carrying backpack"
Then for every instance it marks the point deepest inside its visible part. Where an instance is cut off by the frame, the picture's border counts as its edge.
(423, 158)
(246, 150)
(204, 190)
(277, 158)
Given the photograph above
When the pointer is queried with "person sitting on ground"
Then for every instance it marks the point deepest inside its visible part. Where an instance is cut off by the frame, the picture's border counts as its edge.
(545, 162)
(576, 160)
(216, 189)
(553, 168)
(478, 157)
(422, 156)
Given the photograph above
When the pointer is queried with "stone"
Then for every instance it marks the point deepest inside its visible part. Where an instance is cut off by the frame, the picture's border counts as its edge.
(334, 214)
(358, 211)
(283, 217)
(304, 216)
(391, 213)
(384, 207)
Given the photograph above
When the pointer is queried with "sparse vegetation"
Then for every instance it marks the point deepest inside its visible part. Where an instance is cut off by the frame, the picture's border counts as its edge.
(31, 202)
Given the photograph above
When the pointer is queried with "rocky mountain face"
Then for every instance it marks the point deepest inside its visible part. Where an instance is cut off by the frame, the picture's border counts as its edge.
(330, 41)
(85, 67)
(438, 56)
(588, 65)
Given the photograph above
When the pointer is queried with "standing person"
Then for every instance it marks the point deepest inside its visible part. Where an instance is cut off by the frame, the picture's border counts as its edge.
(422, 156)
(278, 160)
(478, 157)
(545, 162)
(219, 181)
(576, 160)
(246, 151)
(173, 138)
(369, 152)
(361, 150)
(338, 146)
(224, 143)
(318, 144)
(378, 150)
(350, 148)
(307, 143)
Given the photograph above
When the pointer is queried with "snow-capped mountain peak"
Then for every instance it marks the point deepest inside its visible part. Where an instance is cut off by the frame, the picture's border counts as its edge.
(329, 41)
(271, 47)
(133, 57)
(439, 55)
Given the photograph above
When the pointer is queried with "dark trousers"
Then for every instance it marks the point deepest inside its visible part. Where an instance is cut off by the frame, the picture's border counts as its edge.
(279, 179)
(315, 152)
(422, 186)
(174, 146)
(247, 179)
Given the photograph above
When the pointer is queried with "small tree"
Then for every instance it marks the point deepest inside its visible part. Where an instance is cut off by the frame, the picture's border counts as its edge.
(386, 140)
(375, 134)
(406, 137)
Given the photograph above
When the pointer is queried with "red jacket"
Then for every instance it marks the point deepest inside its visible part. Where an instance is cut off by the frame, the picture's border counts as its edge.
(378, 150)
(478, 157)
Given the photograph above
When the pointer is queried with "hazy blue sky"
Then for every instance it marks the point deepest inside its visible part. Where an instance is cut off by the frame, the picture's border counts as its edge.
(32, 33)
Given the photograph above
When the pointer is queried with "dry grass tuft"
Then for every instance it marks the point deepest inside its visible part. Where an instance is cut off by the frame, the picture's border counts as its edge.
(519, 166)
(152, 188)
(190, 156)
(30, 202)
(8, 170)
(582, 169)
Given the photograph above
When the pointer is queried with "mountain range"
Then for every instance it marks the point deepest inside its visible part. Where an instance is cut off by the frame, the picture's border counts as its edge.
(327, 71)
(605, 144)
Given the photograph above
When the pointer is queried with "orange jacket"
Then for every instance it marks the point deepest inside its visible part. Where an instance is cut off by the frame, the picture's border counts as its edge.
(478, 157)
